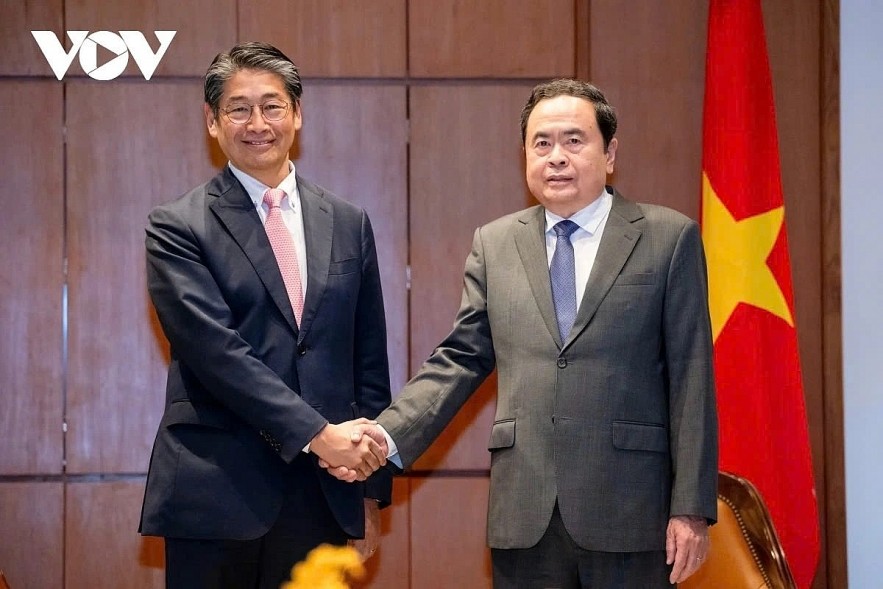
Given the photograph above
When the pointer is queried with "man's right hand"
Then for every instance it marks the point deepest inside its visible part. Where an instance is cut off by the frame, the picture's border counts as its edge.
(361, 431)
(339, 447)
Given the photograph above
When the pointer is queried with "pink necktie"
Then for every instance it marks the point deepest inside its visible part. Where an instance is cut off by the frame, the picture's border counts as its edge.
(283, 248)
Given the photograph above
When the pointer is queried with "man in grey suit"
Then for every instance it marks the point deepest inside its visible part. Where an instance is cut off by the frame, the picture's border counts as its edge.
(604, 445)
(268, 290)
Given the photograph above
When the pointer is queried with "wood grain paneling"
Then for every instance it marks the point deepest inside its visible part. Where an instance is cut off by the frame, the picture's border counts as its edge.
(204, 29)
(103, 549)
(492, 38)
(834, 521)
(650, 64)
(31, 277)
(389, 568)
(131, 145)
(448, 533)
(20, 53)
(354, 142)
(466, 169)
(31, 548)
(328, 38)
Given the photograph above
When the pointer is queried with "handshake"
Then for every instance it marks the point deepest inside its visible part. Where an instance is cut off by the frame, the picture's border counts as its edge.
(352, 450)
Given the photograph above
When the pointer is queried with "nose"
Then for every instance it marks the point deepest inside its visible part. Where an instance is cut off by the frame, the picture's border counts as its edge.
(557, 156)
(257, 118)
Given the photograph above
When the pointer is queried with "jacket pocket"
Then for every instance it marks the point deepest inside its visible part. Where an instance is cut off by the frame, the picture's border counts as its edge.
(633, 435)
(502, 435)
(185, 412)
(635, 279)
(344, 266)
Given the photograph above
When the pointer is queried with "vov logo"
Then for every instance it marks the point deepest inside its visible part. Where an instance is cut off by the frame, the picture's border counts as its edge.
(121, 45)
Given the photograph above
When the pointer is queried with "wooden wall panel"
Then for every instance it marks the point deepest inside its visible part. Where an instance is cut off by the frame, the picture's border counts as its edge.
(19, 53)
(389, 568)
(657, 87)
(362, 157)
(117, 354)
(466, 168)
(448, 533)
(31, 515)
(331, 38)
(794, 49)
(103, 549)
(492, 38)
(834, 521)
(204, 28)
(31, 277)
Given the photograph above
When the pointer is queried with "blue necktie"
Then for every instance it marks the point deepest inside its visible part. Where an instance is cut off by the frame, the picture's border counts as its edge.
(563, 278)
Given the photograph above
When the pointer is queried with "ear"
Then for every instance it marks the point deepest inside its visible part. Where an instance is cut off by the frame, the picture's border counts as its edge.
(298, 116)
(611, 154)
(211, 122)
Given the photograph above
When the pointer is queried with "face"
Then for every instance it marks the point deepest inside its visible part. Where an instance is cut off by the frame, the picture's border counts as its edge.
(566, 164)
(259, 147)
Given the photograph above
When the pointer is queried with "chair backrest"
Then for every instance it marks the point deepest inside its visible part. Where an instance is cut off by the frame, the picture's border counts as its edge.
(745, 550)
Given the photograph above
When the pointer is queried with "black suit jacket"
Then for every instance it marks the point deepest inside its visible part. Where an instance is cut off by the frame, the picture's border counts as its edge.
(241, 370)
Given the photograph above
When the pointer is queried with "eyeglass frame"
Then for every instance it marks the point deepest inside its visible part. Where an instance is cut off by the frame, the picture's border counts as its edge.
(260, 106)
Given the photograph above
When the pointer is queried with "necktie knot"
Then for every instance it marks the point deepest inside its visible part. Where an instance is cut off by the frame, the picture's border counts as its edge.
(565, 228)
(273, 197)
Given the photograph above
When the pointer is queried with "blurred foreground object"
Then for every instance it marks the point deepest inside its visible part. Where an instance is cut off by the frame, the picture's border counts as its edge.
(326, 567)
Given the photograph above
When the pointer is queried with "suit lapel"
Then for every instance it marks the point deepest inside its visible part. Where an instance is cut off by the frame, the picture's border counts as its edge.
(318, 230)
(619, 239)
(237, 213)
(530, 240)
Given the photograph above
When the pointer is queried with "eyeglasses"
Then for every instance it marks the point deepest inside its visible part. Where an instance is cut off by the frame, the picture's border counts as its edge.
(239, 113)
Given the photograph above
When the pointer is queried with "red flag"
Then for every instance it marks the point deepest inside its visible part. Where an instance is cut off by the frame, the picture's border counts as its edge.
(763, 428)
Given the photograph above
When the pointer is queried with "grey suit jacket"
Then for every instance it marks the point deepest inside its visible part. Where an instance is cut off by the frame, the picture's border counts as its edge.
(243, 372)
(618, 422)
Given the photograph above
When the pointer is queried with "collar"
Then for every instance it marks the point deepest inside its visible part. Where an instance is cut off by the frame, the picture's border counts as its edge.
(255, 188)
(589, 218)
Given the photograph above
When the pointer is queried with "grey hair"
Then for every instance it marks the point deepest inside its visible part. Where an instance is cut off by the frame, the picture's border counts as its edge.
(250, 56)
(604, 113)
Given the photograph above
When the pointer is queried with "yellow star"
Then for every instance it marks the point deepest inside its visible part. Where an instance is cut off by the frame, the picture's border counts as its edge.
(737, 252)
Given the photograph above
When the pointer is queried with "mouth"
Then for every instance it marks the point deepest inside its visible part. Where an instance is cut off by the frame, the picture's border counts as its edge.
(258, 143)
(558, 179)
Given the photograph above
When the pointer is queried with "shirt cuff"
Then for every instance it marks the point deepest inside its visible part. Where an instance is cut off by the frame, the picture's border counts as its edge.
(393, 450)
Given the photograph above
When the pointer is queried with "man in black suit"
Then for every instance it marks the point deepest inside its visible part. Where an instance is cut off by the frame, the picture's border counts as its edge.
(268, 290)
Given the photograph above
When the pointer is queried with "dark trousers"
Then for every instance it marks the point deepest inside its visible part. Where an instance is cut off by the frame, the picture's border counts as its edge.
(557, 562)
(304, 522)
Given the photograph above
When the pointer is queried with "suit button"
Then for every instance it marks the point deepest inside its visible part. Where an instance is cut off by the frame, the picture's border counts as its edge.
(302, 350)
(562, 362)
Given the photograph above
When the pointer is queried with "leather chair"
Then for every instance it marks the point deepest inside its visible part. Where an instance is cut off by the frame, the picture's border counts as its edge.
(745, 550)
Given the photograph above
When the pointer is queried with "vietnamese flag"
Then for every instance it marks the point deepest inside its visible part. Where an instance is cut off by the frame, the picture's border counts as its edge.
(763, 429)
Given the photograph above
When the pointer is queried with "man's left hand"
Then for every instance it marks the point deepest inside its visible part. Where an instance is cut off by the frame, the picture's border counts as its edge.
(686, 545)
(367, 546)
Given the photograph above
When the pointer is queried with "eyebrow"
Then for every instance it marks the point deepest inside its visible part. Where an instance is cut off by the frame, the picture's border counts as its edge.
(570, 131)
(240, 98)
